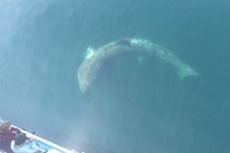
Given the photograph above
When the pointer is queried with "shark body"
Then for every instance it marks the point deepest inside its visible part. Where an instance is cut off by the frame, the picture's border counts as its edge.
(89, 69)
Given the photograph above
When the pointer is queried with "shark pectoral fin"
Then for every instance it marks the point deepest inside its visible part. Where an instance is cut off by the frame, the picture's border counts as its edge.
(140, 58)
(185, 70)
(89, 52)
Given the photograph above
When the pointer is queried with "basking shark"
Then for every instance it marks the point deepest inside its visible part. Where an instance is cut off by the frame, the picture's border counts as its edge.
(91, 66)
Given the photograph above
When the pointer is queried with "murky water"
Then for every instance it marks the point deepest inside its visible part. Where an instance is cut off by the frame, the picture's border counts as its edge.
(133, 106)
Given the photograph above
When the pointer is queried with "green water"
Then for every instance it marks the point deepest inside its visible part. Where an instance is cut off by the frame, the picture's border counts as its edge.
(134, 106)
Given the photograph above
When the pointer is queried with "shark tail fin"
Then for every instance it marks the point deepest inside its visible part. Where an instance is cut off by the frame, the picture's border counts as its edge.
(185, 70)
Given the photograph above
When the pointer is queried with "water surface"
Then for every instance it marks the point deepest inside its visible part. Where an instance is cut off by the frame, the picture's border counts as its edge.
(139, 107)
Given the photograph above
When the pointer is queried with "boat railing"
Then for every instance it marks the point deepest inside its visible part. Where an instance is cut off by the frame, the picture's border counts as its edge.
(52, 145)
